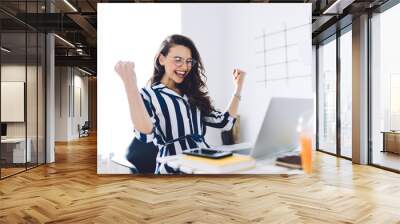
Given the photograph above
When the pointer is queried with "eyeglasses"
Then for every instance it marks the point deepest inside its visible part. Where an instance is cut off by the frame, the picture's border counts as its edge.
(178, 61)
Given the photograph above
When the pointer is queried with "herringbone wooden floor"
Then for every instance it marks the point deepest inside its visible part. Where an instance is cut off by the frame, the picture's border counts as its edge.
(70, 191)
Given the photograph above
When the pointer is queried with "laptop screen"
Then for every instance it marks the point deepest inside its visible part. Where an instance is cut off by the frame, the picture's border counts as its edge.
(3, 129)
(280, 129)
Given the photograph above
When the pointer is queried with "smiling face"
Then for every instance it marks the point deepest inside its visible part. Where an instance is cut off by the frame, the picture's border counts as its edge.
(177, 64)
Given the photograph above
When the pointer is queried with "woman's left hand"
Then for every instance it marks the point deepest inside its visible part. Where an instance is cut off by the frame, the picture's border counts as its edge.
(238, 79)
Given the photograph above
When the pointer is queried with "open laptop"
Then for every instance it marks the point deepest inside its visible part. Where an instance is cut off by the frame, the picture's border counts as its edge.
(280, 130)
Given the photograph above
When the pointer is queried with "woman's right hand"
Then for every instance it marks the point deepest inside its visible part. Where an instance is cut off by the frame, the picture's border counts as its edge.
(139, 116)
(126, 70)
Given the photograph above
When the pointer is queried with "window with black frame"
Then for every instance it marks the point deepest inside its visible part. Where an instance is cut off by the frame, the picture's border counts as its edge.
(335, 94)
(346, 92)
(22, 88)
(327, 95)
(385, 89)
(14, 145)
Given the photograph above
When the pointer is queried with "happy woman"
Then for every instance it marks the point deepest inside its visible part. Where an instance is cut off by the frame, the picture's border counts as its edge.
(174, 110)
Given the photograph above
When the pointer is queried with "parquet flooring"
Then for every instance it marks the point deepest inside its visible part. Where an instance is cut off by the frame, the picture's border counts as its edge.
(9, 171)
(70, 191)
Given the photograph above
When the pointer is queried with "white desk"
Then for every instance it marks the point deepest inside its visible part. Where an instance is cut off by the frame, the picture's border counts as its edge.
(18, 154)
(266, 166)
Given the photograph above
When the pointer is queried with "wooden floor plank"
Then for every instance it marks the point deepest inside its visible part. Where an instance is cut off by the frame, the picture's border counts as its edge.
(70, 191)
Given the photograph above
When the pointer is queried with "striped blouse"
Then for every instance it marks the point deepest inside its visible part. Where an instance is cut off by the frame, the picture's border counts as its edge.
(177, 126)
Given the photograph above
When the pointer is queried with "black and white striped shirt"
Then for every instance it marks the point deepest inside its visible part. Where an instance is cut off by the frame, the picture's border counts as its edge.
(176, 125)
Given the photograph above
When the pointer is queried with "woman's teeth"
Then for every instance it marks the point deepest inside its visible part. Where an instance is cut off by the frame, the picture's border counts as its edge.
(180, 74)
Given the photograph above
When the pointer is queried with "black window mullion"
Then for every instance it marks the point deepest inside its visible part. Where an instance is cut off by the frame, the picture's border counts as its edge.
(37, 91)
(26, 87)
(338, 91)
(44, 76)
(369, 91)
(45, 93)
(317, 96)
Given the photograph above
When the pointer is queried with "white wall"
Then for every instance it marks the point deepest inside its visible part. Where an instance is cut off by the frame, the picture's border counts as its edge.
(61, 103)
(130, 32)
(80, 83)
(242, 31)
(12, 73)
(226, 39)
(68, 81)
(33, 127)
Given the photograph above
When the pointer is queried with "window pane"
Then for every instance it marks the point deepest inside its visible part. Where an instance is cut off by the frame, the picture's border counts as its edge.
(22, 89)
(386, 89)
(31, 100)
(346, 94)
(13, 86)
(41, 98)
(31, 84)
(327, 97)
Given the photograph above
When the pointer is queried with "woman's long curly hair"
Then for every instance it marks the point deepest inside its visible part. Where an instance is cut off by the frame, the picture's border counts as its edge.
(194, 83)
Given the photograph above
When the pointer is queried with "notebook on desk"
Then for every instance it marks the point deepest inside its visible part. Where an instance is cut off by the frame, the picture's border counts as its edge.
(229, 164)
